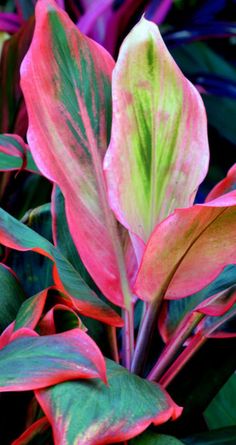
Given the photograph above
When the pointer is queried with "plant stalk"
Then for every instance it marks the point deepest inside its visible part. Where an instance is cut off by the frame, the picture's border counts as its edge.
(195, 343)
(144, 336)
(128, 337)
(178, 338)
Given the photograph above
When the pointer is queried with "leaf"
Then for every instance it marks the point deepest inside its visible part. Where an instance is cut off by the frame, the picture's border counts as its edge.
(175, 310)
(69, 107)
(225, 436)
(17, 236)
(60, 318)
(13, 117)
(87, 422)
(33, 270)
(158, 153)
(180, 245)
(36, 362)
(11, 296)
(14, 154)
(38, 431)
(31, 311)
(151, 438)
(197, 59)
(221, 411)
(225, 186)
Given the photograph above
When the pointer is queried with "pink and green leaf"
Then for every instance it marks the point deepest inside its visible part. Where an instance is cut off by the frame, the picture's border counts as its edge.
(15, 155)
(173, 311)
(18, 236)
(32, 362)
(68, 96)
(158, 153)
(60, 318)
(104, 422)
(179, 246)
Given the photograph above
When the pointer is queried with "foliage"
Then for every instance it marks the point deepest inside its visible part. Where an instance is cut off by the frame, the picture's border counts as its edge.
(117, 291)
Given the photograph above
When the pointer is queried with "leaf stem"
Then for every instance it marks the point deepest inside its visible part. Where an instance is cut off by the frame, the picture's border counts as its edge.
(144, 336)
(178, 338)
(195, 343)
(113, 343)
(128, 337)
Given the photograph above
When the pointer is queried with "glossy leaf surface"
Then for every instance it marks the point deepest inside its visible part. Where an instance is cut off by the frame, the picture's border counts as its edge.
(69, 109)
(18, 236)
(178, 247)
(158, 154)
(105, 421)
(36, 362)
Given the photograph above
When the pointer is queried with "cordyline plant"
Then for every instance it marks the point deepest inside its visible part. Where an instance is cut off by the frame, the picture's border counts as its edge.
(139, 272)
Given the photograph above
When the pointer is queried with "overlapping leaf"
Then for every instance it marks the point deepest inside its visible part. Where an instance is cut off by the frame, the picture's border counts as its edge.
(31, 362)
(200, 235)
(175, 310)
(69, 109)
(225, 186)
(158, 154)
(14, 154)
(104, 421)
(17, 236)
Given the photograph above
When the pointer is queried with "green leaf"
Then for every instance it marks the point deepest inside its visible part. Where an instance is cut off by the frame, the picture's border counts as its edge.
(11, 296)
(151, 438)
(33, 270)
(198, 58)
(222, 410)
(92, 413)
(225, 436)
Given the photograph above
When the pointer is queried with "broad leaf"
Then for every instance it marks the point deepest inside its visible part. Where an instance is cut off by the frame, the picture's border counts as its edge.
(11, 296)
(37, 362)
(158, 154)
(66, 83)
(38, 432)
(17, 236)
(14, 154)
(177, 249)
(221, 411)
(77, 418)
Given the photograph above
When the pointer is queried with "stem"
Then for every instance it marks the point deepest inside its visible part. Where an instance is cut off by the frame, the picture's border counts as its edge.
(113, 343)
(128, 337)
(195, 343)
(144, 336)
(178, 338)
